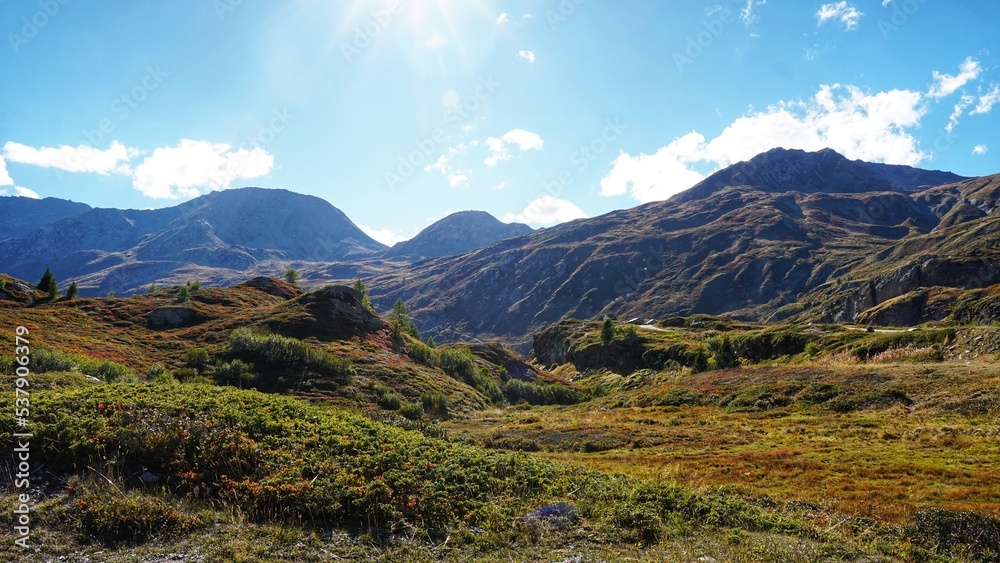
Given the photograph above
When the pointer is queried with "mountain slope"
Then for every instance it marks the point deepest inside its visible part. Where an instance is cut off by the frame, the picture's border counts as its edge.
(825, 171)
(223, 234)
(21, 215)
(741, 250)
(457, 233)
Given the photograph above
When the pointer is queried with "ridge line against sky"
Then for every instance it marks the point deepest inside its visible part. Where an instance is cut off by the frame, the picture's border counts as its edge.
(400, 112)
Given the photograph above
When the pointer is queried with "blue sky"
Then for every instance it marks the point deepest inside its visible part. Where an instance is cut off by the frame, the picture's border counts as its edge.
(400, 112)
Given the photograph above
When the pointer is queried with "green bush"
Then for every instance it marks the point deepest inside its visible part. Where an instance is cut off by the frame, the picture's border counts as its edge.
(411, 411)
(459, 363)
(423, 354)
(386, 399)
(155, 370)
(435, 404)
(540, 394)
(286, 360)
(44, 360)
(235, 372)
(197, 358)
(113, 516)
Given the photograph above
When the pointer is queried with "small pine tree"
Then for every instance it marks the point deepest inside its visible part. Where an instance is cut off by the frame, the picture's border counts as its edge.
(72, 292)
(53, 290)
(46, 281)
(184, 294)
(196, 284)
(366, 303)
(607, 331)
(111, 294)
(151, 289)
(292, 276)
(399, 321)
(430, 342)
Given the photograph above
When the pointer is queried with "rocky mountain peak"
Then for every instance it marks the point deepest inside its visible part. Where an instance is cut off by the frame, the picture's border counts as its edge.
(457, 233)
(825, 171)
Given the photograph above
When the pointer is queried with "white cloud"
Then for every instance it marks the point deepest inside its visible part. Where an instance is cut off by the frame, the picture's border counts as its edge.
(83, 158)
(979, 150)
(386, 236)
(947, 84)
(22, 192)
(746, 14)
(527, 55)
(527, 16)
(987, 101)
(960, 108)
(546, 211)
(194, 167)
(502, 18)
(500, 186)
(651, 177)
(885, 3)
(872, 127)
(844, 12)
(25, 192)
(525, 140)
(5, 179)
(456, 176)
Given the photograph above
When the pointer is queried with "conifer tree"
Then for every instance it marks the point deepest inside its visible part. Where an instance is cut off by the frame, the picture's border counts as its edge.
(72, 292)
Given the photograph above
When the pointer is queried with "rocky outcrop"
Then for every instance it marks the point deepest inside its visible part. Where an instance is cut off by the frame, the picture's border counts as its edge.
(174, 316)
(905, 310)
(334, 312)
(862, 304)
(273, 287)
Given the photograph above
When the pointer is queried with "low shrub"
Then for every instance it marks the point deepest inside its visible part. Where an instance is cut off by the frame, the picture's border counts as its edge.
(411, 411)
(540, 394)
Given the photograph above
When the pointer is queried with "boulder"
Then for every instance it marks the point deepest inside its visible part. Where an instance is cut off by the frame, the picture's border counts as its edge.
(173, 316)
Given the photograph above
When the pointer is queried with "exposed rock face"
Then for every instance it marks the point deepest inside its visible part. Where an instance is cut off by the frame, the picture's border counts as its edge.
(457, 233)
(961, 272)
(824, 171)
(333, 312)
(516, 367)
(274, 287)
(173, 316)
(18, 291)
(905, 310)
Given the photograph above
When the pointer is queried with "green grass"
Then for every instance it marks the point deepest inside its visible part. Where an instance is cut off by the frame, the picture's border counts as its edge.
(226, 456)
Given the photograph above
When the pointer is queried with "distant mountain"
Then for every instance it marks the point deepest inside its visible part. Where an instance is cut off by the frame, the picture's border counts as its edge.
(21, 215)
(825, 171)
(812, 237)
(227, 234)
(457, 233)
(748, 242)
